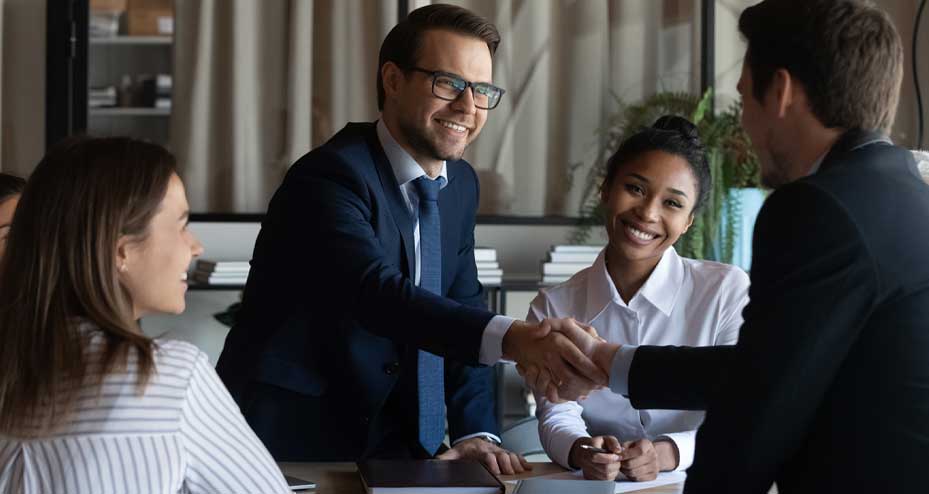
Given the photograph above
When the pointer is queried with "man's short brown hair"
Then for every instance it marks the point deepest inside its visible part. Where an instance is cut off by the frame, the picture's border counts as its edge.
(401, 46)
(846, 54)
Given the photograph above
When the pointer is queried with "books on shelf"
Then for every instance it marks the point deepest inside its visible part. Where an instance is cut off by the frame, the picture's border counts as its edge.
(585, 257)
(421, 476)
(488, 269)
(218, 280)
(564, 261)
(578, 248)
(220, 272)
(228, 266)
(485, 254)
(99, 97)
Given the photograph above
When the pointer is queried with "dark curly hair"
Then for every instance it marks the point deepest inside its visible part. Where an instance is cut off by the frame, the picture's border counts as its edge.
(673, 135)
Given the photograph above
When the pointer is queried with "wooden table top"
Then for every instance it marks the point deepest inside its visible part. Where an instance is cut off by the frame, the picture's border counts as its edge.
(342, 478)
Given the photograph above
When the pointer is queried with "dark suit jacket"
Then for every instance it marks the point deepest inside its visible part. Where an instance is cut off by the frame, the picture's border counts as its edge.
(330, 308)
(827, 389)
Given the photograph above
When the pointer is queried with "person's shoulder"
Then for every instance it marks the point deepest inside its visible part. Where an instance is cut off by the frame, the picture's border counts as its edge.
(178, 354)
(347, 149)
(718, 275)
(567, 295)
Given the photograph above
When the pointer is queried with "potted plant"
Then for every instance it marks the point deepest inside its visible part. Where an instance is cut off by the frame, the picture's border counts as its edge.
(722, 230)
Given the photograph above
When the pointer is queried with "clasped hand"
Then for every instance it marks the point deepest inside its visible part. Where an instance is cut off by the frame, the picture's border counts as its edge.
(556, 357)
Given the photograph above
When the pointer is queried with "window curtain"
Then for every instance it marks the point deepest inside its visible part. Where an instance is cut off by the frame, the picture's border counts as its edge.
(258, 84)
(22, 85)
(566, 65)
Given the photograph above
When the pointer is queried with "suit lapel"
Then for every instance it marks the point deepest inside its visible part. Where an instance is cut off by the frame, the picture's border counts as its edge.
(398, 208)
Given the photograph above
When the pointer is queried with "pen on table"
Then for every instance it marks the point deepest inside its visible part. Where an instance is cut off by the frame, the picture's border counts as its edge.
(594, 449)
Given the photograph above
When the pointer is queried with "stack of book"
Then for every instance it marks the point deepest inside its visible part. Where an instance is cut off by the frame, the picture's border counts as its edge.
(100, 97)
(488, 269)
(564, 261)
(220, 272)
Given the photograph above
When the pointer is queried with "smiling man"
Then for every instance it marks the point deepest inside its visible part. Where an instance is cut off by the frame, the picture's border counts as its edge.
(827, 389)
(363, 326)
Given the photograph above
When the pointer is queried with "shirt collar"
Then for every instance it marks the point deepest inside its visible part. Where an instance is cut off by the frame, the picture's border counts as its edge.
(405, 168)
(818, 163)
(660, 289)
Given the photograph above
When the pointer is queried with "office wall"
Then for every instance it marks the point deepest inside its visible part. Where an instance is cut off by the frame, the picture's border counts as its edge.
(22, 85)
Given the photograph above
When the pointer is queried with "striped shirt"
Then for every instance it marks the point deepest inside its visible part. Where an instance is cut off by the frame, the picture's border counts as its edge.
(185, 434)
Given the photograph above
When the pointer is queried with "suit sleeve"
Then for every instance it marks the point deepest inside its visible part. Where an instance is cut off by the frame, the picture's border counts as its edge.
(469, 390)
(322, 216)
(814, 284)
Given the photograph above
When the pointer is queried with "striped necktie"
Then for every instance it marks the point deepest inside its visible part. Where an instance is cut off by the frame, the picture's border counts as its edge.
(430, 373)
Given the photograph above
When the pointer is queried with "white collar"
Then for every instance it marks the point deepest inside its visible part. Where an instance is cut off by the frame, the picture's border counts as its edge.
(660, 289)
(818, 163)
(405, 168)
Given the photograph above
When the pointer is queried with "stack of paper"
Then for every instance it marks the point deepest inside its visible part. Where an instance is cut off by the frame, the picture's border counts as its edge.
(488, 269)
(221, 272)
(574, 483)
(564, 261)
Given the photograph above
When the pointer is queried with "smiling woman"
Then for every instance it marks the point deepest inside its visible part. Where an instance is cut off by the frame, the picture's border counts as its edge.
(99, 239)
(640, 292)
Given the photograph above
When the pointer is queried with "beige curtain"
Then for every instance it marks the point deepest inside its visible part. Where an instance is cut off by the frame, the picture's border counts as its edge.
(564, 64)
(259, 83)
(22, 85)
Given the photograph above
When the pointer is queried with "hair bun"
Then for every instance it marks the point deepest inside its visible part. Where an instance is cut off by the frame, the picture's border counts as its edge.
(678, 124)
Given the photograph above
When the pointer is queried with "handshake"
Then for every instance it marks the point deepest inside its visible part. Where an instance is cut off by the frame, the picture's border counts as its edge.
(561, 359)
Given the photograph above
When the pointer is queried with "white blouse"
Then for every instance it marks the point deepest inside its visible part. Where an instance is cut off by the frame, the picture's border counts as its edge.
(185, 434)
(683, 302)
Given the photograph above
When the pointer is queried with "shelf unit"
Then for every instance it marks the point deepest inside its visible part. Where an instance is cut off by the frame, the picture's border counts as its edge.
(129, 112)
(109, 59)
(130, 40)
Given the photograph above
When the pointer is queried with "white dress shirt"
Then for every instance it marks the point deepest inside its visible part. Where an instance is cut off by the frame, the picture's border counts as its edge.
(184, 434)
(683, 302)
(406, 170)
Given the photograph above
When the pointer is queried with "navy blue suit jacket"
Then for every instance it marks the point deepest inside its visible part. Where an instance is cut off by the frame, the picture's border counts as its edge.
(330, 307)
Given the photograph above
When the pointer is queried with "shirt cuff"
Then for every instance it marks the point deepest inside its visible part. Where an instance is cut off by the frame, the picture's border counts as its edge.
(561, 444)
(477, 434)
(619, 370)
(685, 442)
(492, 340)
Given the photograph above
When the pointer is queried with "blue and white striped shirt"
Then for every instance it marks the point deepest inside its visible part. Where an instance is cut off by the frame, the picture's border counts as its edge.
(185, 434)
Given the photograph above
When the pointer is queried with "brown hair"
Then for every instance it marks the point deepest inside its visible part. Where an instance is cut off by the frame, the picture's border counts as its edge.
(10, 185)
(846, 54)
(401, 46)
(60, 271)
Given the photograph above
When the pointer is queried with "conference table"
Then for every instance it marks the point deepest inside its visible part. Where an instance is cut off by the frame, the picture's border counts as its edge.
(342, 478)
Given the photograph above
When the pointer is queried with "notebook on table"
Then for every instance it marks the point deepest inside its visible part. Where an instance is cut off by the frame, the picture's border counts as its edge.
(427, 476)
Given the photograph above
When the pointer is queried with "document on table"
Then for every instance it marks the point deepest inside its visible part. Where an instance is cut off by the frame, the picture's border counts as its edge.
(664, 478)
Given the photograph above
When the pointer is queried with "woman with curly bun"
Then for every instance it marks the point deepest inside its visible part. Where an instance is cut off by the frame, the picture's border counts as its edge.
(640, 291)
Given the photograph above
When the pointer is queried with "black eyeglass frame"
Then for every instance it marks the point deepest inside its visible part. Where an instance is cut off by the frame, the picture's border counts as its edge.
(473, 85)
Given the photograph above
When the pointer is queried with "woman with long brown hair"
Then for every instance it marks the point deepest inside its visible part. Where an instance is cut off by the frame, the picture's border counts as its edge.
(88, 403)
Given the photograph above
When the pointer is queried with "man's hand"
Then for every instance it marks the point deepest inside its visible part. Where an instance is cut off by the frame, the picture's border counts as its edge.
(597, 466)
(642, 459)
(496, 459)
(547, 354)
(586, 339)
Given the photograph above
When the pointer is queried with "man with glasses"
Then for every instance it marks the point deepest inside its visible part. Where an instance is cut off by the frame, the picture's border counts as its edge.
(363, 326)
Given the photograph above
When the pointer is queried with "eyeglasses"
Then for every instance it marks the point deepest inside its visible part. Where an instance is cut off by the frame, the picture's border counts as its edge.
(450, 86)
